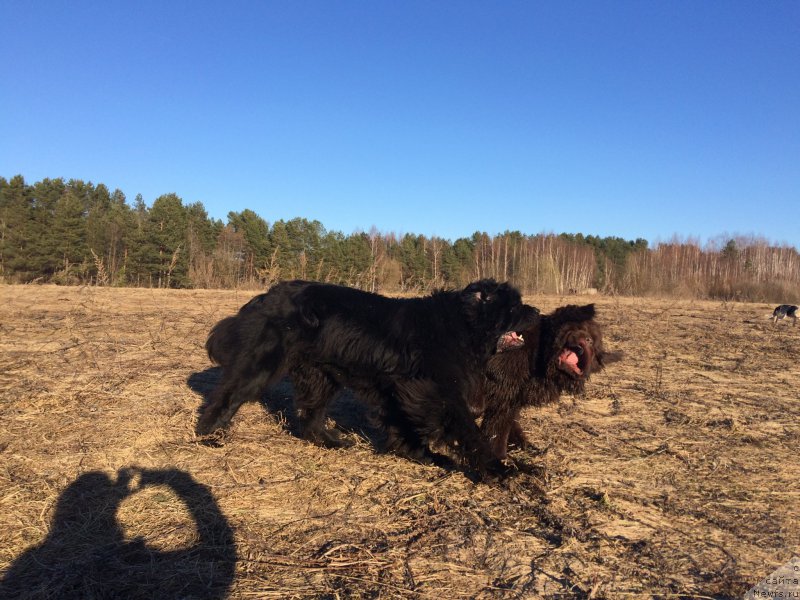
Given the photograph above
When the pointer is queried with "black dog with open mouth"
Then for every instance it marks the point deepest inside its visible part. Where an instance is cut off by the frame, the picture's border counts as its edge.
(556, 355)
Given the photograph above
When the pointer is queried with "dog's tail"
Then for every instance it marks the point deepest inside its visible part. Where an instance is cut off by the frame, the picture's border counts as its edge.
(222, 340)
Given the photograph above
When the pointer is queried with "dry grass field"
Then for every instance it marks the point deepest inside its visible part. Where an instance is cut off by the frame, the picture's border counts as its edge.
(676, 475)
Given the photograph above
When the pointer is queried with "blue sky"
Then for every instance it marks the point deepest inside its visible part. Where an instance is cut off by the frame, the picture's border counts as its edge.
(634, 119)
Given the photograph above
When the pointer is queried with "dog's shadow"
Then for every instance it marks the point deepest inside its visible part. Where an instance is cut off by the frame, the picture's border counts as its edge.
(349, 414)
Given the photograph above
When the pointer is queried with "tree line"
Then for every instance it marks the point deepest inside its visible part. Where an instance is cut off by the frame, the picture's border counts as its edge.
(76, 232)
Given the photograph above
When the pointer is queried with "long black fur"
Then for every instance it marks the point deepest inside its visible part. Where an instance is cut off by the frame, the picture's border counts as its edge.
(535, 374)
(416, 361)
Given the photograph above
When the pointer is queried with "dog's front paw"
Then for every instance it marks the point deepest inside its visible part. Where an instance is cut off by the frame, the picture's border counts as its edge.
(517, 437)
(523, 466)
(206, 426)
(327, 438)
(496, 471)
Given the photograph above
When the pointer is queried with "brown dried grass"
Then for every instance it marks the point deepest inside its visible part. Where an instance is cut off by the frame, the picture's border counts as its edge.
(676, 474)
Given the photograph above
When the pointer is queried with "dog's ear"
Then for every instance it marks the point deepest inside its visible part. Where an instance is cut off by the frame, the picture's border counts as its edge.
(309, 317)
(573, 312)
(483, 290)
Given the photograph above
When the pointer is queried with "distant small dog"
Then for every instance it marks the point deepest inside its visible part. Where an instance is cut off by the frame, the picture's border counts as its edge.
(556, 355)
(783, 311)
(416, 361)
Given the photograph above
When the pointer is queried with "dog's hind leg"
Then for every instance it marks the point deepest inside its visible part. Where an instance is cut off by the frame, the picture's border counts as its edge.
(313, 390)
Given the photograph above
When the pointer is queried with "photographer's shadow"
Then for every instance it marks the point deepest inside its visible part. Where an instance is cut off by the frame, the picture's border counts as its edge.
(349, 414)
(86, 554)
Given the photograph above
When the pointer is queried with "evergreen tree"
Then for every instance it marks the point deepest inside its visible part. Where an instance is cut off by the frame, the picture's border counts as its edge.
(67, 250)
(200, 229)
(15, 230)
(120, 230)
(162, 255)
(255, 232)
(45, 251)
(356, 260)
(457, 259)
(411, 254)
(298, 244)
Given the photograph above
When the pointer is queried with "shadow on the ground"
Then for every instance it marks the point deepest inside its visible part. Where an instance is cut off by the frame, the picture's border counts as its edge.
(86, 555)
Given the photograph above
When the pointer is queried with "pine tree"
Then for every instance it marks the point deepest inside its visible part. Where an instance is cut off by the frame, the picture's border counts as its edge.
(168, 225)
(15, 234)
(255, 233)
(68, 253)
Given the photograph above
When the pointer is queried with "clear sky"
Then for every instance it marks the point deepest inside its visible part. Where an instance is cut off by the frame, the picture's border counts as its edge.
(634, 119)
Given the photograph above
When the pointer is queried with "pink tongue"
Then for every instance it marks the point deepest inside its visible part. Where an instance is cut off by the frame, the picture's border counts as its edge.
(570, 358)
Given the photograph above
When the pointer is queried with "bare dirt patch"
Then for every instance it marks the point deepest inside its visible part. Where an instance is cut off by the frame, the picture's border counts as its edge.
(676, 474)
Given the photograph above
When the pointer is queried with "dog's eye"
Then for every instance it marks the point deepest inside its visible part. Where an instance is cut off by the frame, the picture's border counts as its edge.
(589, 341)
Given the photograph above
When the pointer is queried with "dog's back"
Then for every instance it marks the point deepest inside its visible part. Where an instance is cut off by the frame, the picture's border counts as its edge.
(238, 332)
(783, 311)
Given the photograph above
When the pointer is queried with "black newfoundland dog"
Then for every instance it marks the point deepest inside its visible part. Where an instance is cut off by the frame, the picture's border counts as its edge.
(556, 355)
(417, 361)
